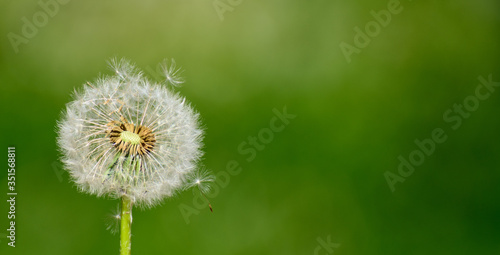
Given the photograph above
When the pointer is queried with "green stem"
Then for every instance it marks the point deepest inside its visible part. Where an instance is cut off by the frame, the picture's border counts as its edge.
(126, 221)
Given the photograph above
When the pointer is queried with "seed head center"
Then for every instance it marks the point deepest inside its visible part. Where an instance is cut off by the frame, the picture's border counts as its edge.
(130, 137)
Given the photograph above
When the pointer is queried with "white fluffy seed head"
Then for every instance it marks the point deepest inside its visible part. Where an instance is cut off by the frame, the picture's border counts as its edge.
(124, 135)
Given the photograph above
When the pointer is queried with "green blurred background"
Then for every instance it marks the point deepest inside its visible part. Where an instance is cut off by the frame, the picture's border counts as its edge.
(321, 177)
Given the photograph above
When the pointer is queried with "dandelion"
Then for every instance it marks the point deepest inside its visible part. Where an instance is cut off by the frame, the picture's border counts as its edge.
(128, 138)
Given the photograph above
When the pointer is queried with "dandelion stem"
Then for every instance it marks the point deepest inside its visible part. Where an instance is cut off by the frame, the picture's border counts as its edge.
(126, 222)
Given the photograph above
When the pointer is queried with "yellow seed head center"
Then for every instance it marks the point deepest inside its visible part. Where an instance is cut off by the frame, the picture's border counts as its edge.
(130, 137)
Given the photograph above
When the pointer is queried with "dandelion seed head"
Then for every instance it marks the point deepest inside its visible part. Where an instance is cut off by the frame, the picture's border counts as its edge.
(124, 135)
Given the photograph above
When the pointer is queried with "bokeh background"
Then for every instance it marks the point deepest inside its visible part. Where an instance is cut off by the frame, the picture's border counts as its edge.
(320, 178)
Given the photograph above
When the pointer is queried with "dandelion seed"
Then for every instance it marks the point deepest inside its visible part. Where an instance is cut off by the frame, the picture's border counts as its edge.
(113, 221)
(172, 73)
(202, 180)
